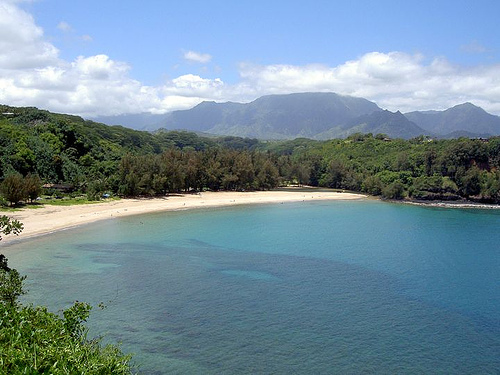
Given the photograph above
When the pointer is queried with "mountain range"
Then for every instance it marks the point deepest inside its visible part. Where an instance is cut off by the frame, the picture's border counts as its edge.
(316, 116)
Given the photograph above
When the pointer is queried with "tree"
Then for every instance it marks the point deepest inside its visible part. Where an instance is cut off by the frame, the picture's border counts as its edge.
(12, 188)
(268, 177)
(491, 186)
(394, 191)
(32, 186)
(95, 189)
(244, 169)
(3, 263)
(470, 182)
(334, 174)
(372, 185)
(301, 174)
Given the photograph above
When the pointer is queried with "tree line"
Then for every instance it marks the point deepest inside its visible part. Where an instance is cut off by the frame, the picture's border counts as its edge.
(94, 159)
(184, 171)
(420, 168)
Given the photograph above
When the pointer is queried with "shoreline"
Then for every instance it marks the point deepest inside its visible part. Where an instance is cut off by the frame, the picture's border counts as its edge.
(50, 219)
(450, 204)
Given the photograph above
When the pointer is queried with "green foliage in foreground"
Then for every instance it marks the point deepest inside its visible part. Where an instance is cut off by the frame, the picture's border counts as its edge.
(9, 226)
(36, 341)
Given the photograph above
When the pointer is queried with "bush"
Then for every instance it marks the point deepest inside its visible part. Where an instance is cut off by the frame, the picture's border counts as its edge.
(34, 340)
(3, 202)
(394, 191)
(372, 185)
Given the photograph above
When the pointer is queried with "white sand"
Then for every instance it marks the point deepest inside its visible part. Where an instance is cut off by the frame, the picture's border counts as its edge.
(53, 218)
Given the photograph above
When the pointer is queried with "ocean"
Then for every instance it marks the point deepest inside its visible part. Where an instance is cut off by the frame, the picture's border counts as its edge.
(325, 287)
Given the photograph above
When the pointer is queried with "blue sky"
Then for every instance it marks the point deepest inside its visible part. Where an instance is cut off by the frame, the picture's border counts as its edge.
(106, 57)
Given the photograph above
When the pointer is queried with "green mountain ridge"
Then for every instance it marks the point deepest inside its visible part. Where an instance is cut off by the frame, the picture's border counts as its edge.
(316, 116)
(273, 116)
(464, 118)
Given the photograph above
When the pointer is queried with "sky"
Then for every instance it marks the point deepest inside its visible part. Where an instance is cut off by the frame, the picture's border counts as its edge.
(103, 57)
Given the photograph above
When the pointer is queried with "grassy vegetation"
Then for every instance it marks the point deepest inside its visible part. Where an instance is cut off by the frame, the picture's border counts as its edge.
(70, 201)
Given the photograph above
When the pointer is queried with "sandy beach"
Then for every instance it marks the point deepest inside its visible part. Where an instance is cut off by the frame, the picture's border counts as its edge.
(49, 218)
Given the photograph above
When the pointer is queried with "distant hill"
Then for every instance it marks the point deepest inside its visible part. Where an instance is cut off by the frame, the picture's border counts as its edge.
(315, 116)
(137, 121)
(274, 116)
(463, 119)
(393, 124)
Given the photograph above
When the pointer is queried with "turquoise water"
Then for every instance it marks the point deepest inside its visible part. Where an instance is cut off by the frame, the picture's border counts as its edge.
(304, 288)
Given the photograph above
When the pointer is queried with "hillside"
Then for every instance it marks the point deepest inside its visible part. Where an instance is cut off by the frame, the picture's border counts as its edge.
(274, 116)
(65, 148)
(39, 147)
(316, 116)
(464, 119)
(394, 125)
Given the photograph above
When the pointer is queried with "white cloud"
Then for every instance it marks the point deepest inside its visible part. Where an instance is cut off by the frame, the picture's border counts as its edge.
(99, 67)
(33, 74)
(396, 81)
(197, 57)
(191, 82)
(22, 45)
(64, 26)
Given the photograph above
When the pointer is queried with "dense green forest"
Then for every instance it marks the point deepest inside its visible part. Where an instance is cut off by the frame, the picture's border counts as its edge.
(95, 159)
(420, 168)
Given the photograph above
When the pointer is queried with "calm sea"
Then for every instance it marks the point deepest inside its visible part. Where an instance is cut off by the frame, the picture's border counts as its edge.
(360, 287)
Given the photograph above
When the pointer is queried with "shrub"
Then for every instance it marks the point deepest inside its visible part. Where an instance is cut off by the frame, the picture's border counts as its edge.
(36, 341)
(394, 191)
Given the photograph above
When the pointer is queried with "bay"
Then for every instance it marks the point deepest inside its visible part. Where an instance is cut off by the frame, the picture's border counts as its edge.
(305, 288)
